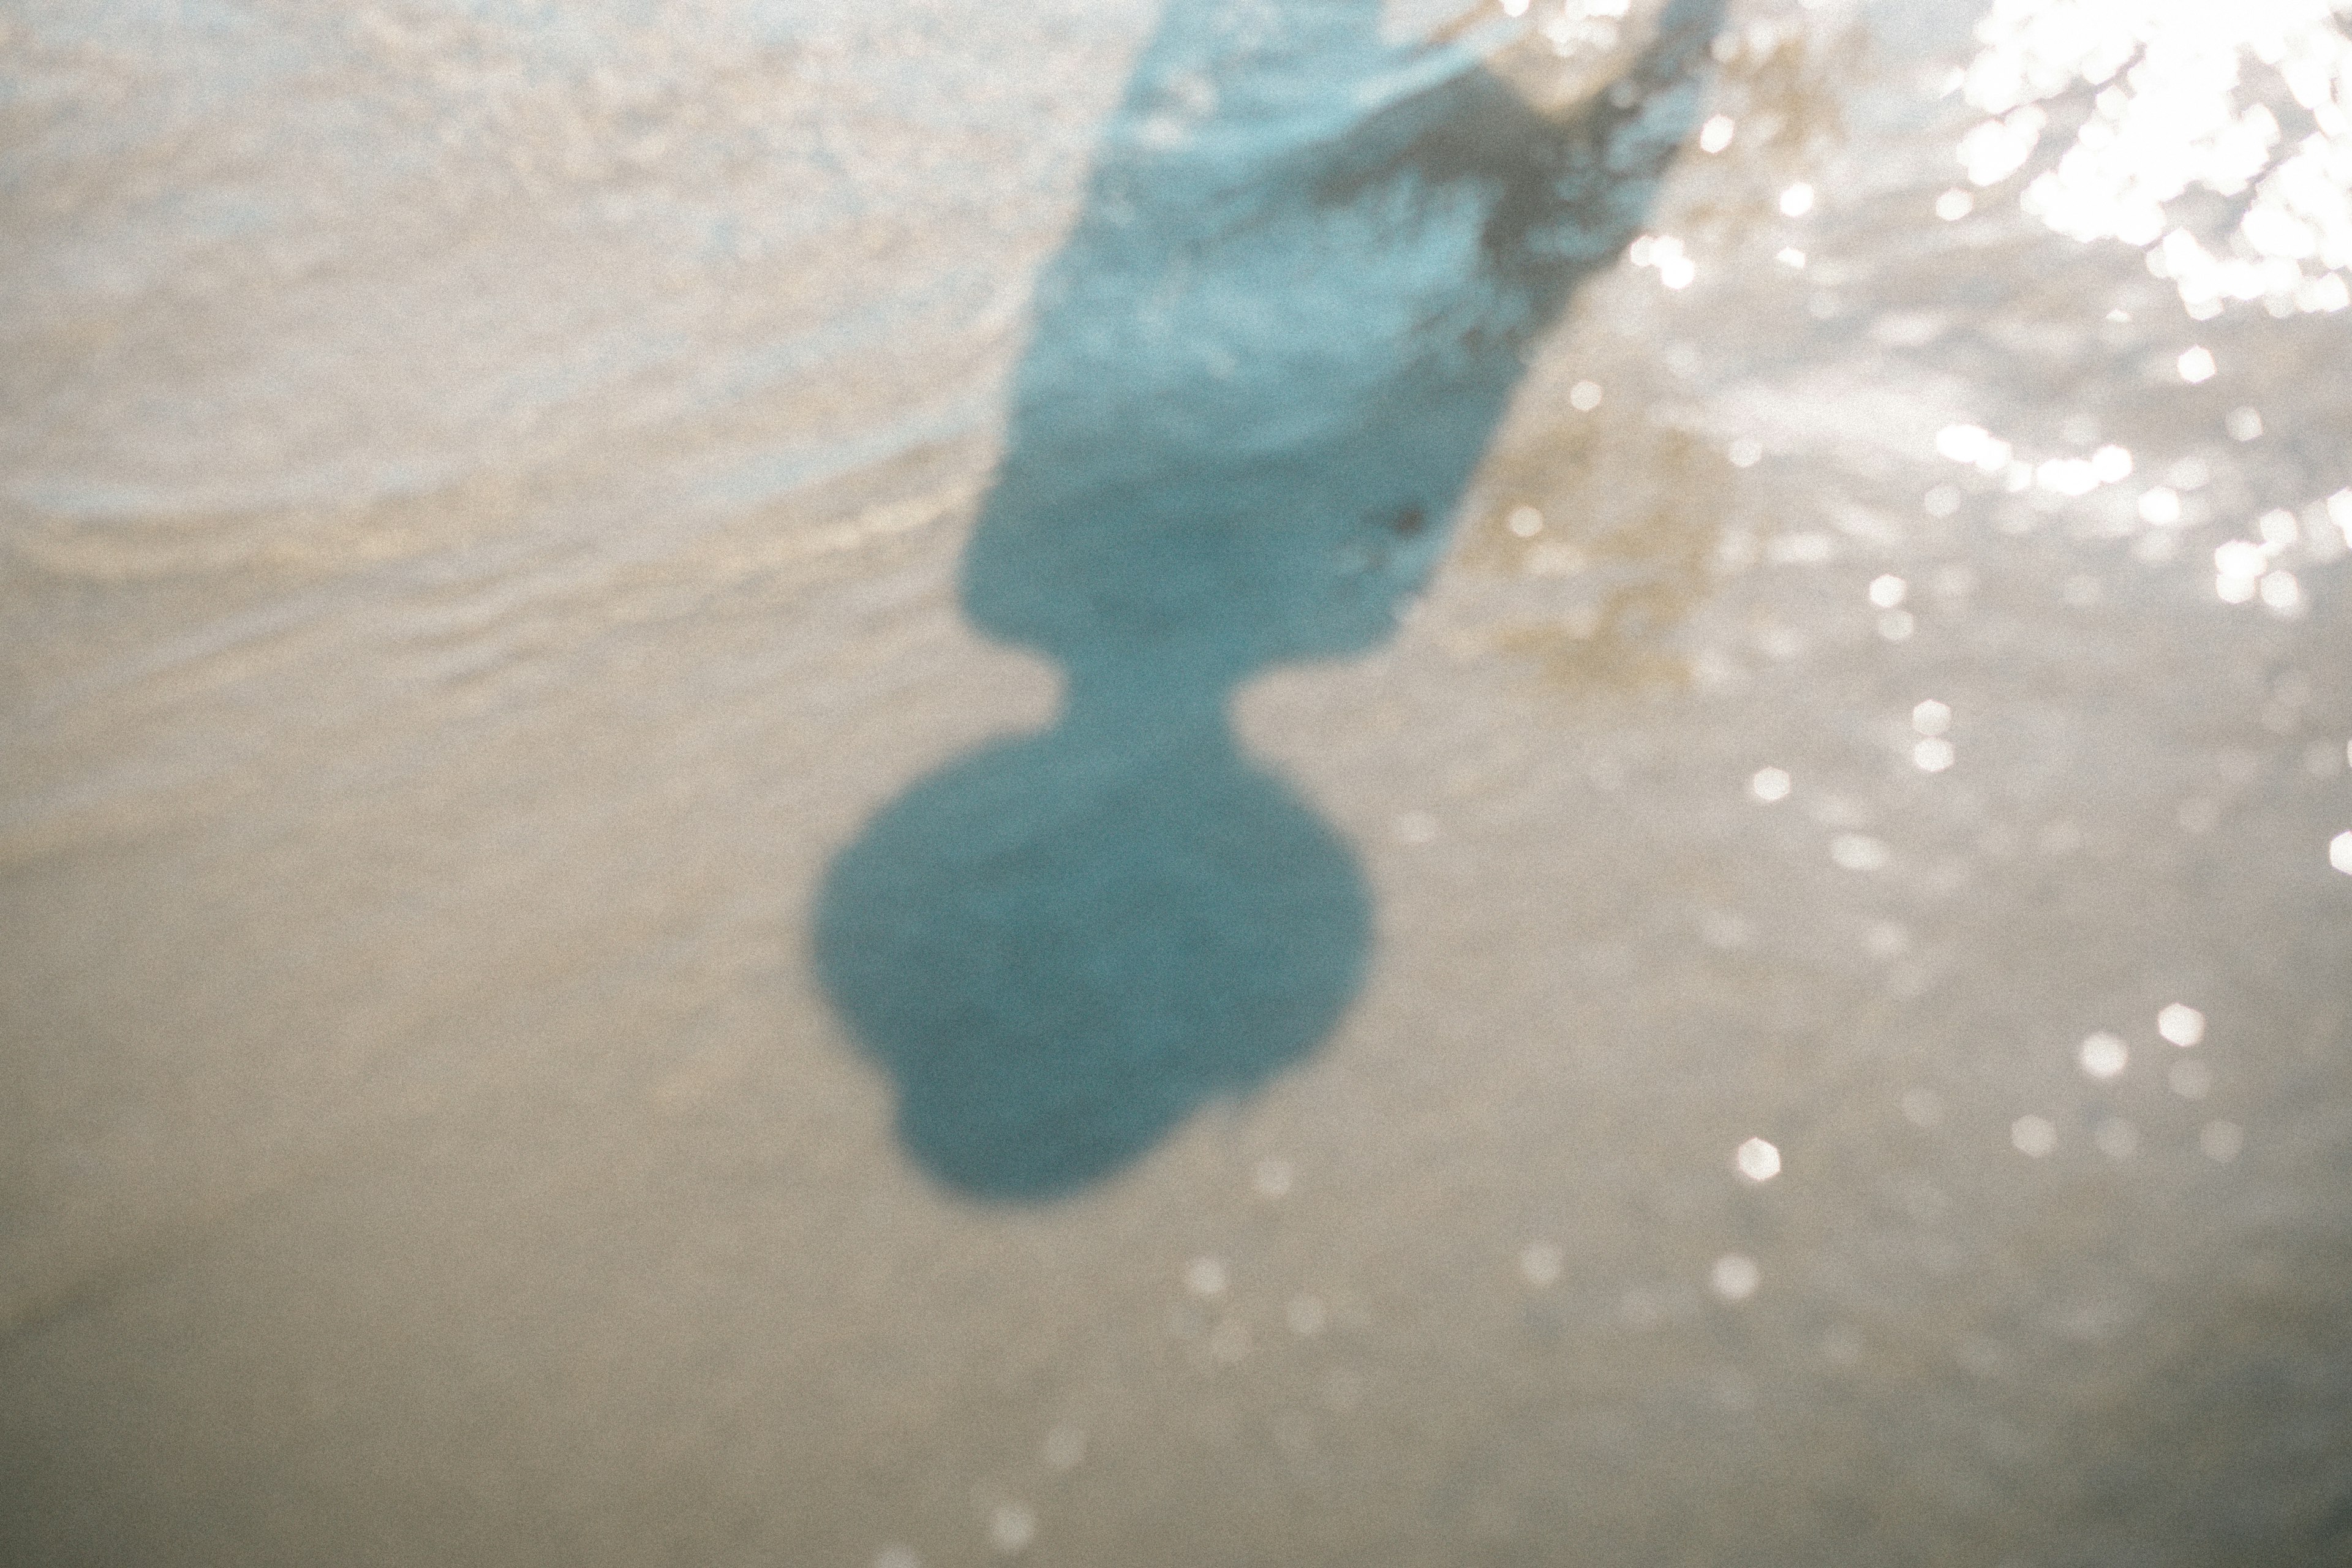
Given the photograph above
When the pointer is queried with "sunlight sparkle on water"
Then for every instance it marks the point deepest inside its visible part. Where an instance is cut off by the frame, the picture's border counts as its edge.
(2239, 568)
(2180, 1023)
(1665, 254)
(1735, 1276)
(1973, 443)
(2104, 1055)
(2182, 118)
(1769, 784)
(1757, 1159)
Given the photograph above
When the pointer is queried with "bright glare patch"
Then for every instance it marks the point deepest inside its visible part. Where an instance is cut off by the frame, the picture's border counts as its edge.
(1998, 147)
(1524, 522)
(1955, 204)
(1665, 254)
(1796, 200)
(1888, 591)
(2239, 568)
(2181, 1025)
(2242, 558)
(1793, 257)
(1584, 396)
(1973, 443)
(2184, 114)
(2339, 853)
(1735, 1276)
(2196, 365)
(2034, 1135)
(1757, 1159)
(2102, 1055)
(1934, 754)
(1771, 785)
(1715, 136)
(2070, 477)
(1931, 717)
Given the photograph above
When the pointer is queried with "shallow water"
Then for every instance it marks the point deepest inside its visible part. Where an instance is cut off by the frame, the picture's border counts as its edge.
(1828, 1039)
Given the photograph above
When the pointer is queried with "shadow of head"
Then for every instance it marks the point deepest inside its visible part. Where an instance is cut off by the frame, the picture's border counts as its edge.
(1058, 953)
(1307, 270)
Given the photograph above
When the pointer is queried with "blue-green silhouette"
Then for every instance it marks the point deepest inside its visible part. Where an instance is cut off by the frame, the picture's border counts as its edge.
(1294, 307)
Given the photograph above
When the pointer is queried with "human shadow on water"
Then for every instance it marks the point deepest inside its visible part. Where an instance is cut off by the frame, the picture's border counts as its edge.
(1293, 311)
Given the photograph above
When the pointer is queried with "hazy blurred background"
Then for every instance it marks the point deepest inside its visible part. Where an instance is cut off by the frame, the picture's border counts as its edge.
(1848, 1057)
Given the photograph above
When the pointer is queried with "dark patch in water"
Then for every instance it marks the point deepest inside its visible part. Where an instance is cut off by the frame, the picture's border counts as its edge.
(1290, 316)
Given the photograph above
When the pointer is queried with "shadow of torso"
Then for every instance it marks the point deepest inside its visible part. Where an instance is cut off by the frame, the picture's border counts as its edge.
(1296, 303)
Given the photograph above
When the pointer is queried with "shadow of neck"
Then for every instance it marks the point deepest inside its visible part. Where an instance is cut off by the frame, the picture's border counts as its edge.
(1172, 698)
